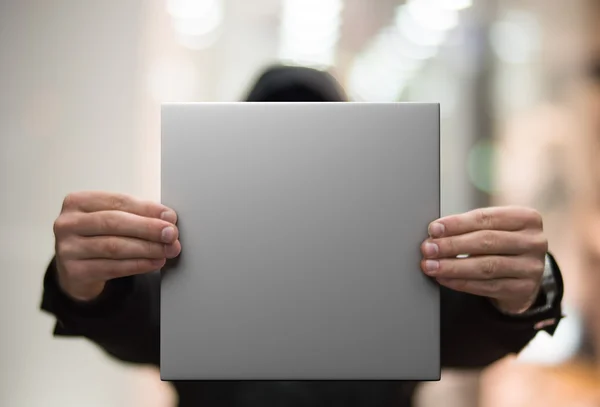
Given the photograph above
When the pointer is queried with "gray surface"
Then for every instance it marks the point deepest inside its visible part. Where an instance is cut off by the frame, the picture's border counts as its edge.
(300, 226)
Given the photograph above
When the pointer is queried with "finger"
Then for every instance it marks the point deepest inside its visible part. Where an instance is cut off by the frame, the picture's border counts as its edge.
(115, 247)
(497, 288)
(116, 223)
(506, 218)
(95, 201)
(484, 267)
(94, 270)
(485, 242)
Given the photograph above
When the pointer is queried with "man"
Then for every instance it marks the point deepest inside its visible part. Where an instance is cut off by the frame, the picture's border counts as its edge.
(101, 283)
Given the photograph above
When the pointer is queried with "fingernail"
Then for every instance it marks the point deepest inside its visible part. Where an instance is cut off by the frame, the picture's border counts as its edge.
(431, 266)
(431, 249)
(168, 234)
(158, 263)
(171, 251)
(436, 230)
(169, 216)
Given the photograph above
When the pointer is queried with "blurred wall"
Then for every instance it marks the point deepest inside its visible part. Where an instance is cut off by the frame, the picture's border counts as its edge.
(69, 74)
(81, 86)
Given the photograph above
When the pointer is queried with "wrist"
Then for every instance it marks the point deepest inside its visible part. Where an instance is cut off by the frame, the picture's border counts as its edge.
(546, 298)
(81, 292)
(518, 307)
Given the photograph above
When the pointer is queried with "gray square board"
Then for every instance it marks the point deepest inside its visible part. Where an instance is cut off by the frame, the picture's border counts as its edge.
(300, 226)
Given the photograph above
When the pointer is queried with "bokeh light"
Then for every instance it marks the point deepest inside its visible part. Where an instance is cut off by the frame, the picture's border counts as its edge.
(480, 164)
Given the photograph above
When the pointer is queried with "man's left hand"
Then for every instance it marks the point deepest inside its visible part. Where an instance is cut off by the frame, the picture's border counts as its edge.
(502, 255)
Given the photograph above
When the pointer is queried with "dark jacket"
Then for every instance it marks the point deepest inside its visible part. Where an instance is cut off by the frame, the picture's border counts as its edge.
(124, 320)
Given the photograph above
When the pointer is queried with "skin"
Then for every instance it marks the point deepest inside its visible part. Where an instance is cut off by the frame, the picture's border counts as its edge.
(506, 248)
(102, 235)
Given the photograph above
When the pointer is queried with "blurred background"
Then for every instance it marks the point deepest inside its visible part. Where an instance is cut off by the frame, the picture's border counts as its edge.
(81, 84)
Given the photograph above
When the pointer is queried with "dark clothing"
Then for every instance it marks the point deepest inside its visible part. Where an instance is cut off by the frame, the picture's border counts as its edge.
(124, 321)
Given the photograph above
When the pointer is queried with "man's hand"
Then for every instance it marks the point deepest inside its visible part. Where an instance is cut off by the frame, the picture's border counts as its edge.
(101, 236)
(505, 248)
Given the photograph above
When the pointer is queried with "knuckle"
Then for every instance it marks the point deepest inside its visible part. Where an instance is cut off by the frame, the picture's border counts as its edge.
(107, 222)
(68, 223)
(484, 218)
(112, 247)
(117, 202)
(151, 250)
(488, 241)
(66, 248)
(490, 267)
(61, 225)
(445, 246)
(449, 246)
(62, 250)
(149, 208)
(71, 201)
(446, 267)
(152, 229)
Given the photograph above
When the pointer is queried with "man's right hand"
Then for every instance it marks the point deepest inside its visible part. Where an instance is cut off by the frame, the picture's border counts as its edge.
(101, 236)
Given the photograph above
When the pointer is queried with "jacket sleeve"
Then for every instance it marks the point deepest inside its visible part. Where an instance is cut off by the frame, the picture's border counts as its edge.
(123, 321)
(474, 334)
